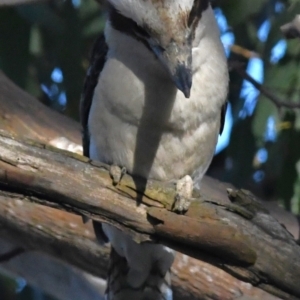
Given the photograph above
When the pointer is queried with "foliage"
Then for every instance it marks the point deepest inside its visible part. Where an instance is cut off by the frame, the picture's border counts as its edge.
(44, 36)
(264, 145)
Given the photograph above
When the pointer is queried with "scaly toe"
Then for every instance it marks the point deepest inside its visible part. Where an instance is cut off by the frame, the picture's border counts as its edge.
(116, 174)
(184, 191)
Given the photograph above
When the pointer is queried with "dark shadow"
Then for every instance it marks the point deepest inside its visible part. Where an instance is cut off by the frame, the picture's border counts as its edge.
(156, 114)
(159, 101)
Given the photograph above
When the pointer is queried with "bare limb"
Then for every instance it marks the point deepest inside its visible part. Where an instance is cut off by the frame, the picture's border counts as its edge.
(238, 235)
(23, 115)
(265, 91)
(244, 52)
(38, 122)
(64, 236)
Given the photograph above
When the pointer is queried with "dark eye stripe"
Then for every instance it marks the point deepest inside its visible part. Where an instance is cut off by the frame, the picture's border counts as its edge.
(126, 25)
(195, 15)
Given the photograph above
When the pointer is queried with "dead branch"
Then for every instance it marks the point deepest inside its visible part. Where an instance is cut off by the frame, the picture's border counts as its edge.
(22, 115)
(265, 91)
(20, 101)
(64, 236)
(238, 235)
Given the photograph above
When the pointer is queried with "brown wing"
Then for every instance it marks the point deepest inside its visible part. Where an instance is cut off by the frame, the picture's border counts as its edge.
(223, 114)
(97, 61)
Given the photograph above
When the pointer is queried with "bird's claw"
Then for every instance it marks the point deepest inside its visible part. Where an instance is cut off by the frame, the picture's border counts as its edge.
(183, 197)
(181, 204)
(116, 173)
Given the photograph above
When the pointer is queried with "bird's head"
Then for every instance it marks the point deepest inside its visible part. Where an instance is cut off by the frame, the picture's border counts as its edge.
(166, 27)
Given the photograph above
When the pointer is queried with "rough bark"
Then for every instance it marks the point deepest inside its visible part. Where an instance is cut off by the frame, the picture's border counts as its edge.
(22, 115)
(62, 235)
(20, 171)
(239, 236)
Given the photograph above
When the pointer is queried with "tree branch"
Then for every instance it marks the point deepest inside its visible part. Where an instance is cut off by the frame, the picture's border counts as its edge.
(238, 235)
(64, 236)
(34, 183)
(265, 91)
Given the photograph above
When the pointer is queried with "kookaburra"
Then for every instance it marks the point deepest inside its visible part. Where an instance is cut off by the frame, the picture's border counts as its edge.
(153, 103)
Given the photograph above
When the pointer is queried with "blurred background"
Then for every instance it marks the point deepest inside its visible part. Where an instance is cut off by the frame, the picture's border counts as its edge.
(44, 48)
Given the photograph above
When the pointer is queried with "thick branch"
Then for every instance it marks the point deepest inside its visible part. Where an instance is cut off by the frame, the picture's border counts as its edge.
(23, 115)
(64, 236)
(240, 236)
(20, 113)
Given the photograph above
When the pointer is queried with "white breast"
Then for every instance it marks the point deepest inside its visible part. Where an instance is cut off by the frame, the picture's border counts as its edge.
(141, 121)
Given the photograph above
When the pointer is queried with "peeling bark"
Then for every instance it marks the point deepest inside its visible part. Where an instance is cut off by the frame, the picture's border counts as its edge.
(238, 235)
(32, 173)
(64, 236)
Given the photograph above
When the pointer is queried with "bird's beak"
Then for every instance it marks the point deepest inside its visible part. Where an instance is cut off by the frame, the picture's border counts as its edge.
(183, 78)
(178, 61)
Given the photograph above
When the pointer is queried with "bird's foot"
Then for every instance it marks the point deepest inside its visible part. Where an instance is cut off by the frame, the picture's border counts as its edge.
(116, 173)
(184, 192)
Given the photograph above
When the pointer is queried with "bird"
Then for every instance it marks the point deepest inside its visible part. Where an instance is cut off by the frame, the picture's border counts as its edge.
(153, 102)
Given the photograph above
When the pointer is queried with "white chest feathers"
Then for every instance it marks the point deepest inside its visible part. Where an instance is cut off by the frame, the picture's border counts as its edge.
(140, 120)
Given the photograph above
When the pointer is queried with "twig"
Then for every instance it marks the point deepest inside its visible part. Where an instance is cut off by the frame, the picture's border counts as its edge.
(243, 51)
(265, 91)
